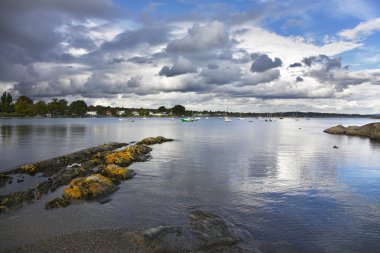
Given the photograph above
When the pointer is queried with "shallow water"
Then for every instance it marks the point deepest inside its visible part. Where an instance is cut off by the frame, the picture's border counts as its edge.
(281, 180)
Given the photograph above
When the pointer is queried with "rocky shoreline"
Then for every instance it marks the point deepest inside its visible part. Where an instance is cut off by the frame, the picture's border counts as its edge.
(89, 174)
(371, 130)
(204, 232)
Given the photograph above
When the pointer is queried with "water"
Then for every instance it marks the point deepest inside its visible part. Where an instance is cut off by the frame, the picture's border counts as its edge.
(281, 180)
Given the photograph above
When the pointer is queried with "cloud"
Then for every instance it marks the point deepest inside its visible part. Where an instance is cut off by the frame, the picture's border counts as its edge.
(295, 65)
(326, 62)
(257, 78)
(201, 38)
(262, 62)
(225, 74)
(180, 67)
(361, 30)
(146, 36)
(330, 71)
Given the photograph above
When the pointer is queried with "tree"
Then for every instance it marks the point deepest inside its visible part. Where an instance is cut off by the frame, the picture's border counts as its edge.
(179, 110)
(78, 108)
(57, 107)
(162, 109)
(24, 105)
(40, 108)
(6, 102)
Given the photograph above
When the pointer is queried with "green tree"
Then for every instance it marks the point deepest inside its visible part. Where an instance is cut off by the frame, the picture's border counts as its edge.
(24, 105)
(57, 107)
(6, 102)
(78, 108)
(162, 109)
(40, 108)
(179, 110)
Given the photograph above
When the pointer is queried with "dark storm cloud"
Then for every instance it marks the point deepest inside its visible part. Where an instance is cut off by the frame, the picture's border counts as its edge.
(295, 65)
(262, 62)
(327, 62)
(182, 66)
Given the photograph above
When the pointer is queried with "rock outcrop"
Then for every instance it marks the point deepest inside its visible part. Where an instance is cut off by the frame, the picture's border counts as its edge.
(371, 131)
(90, 173)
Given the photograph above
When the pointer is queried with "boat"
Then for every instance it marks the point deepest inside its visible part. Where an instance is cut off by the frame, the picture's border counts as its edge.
(241, 117)
(187, 119)
(227, 119)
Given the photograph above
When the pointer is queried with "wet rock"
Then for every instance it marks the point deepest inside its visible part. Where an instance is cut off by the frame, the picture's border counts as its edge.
(29, 169)
(57, 203)
(4, 179)
(128, 155)
(114, 171)
(67, 174)
(154, 140)
(43, 188)
(16, 199)
(89, 187)
(205, 232)
(371, 131)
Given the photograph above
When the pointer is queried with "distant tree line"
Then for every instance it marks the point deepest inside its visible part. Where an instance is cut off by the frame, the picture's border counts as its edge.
(25, 106)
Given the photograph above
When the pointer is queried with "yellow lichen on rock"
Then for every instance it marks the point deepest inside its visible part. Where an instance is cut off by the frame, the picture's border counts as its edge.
(123, 157)
(88, 187)
(115, 171)
(29, 169)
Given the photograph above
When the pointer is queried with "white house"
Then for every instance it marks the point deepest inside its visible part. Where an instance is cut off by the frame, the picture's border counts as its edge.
(91, 113)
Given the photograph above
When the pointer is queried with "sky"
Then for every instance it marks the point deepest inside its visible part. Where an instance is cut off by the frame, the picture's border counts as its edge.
(244, 55)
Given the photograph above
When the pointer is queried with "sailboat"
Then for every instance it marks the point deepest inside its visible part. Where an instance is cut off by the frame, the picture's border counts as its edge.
(241, 118)
(144, 115)
(226, 118)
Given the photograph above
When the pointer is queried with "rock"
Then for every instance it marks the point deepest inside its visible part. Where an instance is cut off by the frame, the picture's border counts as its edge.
(15, 199)
(154, 140)
(371, 131)
(80, 170)
(67, 174)
(114, 171)
(125, 157)
(30, 169)
(339, 129)
(205, 232)
(4, 179)
(89, 187)
(43, 188)
(336, 147)
(57, 203)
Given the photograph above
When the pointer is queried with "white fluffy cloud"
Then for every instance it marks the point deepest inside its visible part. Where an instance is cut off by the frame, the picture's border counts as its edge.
(362, 30)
